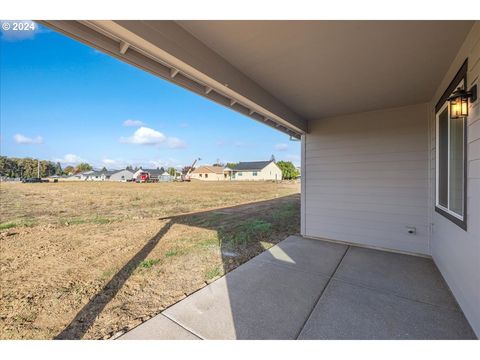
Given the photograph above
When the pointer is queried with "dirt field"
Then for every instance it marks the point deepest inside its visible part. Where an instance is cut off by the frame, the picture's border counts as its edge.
(90, 260)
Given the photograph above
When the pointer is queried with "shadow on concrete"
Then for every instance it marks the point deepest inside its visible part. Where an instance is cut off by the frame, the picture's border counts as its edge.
(242, 232)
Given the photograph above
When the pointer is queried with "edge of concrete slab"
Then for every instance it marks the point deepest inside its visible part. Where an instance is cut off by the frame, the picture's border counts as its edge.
(159, 327)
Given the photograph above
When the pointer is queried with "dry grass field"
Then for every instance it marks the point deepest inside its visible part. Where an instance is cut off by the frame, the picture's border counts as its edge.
(90, 260)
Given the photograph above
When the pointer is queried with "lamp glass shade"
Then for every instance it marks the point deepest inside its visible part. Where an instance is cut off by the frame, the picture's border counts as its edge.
(455, 108)
(464, 107)
(458, 105)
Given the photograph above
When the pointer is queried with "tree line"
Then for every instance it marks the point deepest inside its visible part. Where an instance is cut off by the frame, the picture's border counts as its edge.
(29, 168)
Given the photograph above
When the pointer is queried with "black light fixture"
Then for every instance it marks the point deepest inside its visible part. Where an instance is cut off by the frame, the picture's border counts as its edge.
(459, 101)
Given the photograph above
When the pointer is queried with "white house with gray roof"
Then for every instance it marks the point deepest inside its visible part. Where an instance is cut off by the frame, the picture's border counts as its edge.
(122, 175)
(257, 171)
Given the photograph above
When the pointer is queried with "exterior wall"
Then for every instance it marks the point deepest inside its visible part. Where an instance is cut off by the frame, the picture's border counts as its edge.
(455, 251)
(269, 172)
(211, 176)
(96, 178)
(127, 175)
(365, 179)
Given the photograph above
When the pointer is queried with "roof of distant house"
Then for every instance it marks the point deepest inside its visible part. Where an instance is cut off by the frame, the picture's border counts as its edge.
(209, 169)
(154, 172)
(252, 165)
(103, 172)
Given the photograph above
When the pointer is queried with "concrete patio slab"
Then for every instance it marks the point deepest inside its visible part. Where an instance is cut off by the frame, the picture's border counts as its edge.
(315, 256)
(348, 311)
(280, 295)
(258, 300)
(409, 276)
(159, 328)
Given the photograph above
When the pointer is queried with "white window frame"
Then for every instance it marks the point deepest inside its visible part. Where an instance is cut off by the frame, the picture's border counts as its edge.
(437, 162)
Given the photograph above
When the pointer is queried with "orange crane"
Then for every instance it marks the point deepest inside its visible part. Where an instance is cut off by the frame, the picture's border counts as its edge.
(186, 177)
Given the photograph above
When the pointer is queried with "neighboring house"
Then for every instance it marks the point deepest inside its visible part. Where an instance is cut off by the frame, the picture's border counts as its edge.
(257, 171)
(122, 175)
(166, 177)
(100, 175)
(80, 176)
(109, 175)
(211, 173)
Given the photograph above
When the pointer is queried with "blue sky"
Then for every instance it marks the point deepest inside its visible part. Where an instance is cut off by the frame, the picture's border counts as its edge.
(64, 101)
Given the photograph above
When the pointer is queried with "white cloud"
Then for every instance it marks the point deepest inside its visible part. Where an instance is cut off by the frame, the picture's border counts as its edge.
(70, 159)
(176, 143)
(165, 163)
(10, 30)
(135, 123)
(109, 162)
(22, 139)
(281, 147)
(147, 136)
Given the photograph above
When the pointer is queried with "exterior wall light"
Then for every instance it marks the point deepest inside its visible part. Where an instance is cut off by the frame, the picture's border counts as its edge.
(459, 102)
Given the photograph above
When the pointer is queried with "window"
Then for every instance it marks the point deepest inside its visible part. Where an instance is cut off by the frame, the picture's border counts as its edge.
(239, 174)
(206, 176)
(254, 173)
(450, 200)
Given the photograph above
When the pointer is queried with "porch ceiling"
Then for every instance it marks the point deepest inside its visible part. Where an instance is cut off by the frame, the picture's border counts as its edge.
(329, 68)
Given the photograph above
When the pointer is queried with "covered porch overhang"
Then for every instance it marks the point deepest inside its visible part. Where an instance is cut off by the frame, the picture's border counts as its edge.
(286, 73)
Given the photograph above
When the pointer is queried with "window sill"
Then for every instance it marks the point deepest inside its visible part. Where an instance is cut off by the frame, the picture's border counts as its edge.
(461, 223)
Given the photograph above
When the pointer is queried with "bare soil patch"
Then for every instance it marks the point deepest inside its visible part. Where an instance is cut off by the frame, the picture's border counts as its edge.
(87, 260)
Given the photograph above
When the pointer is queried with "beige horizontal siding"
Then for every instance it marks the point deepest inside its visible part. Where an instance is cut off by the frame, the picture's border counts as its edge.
(366, 178)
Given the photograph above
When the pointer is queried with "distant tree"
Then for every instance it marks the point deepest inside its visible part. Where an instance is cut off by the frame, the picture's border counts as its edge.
(171, 171)
(272, 158)
(104, 169)
(129, 167)
(218, 163)
(6, 166)
(27, 167)
(58, 169)
(289, 171)
(83, 167)
(231, 165)
(69, 170)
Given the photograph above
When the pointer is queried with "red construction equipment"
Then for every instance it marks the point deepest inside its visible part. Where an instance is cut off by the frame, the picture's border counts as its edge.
(144, 177)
